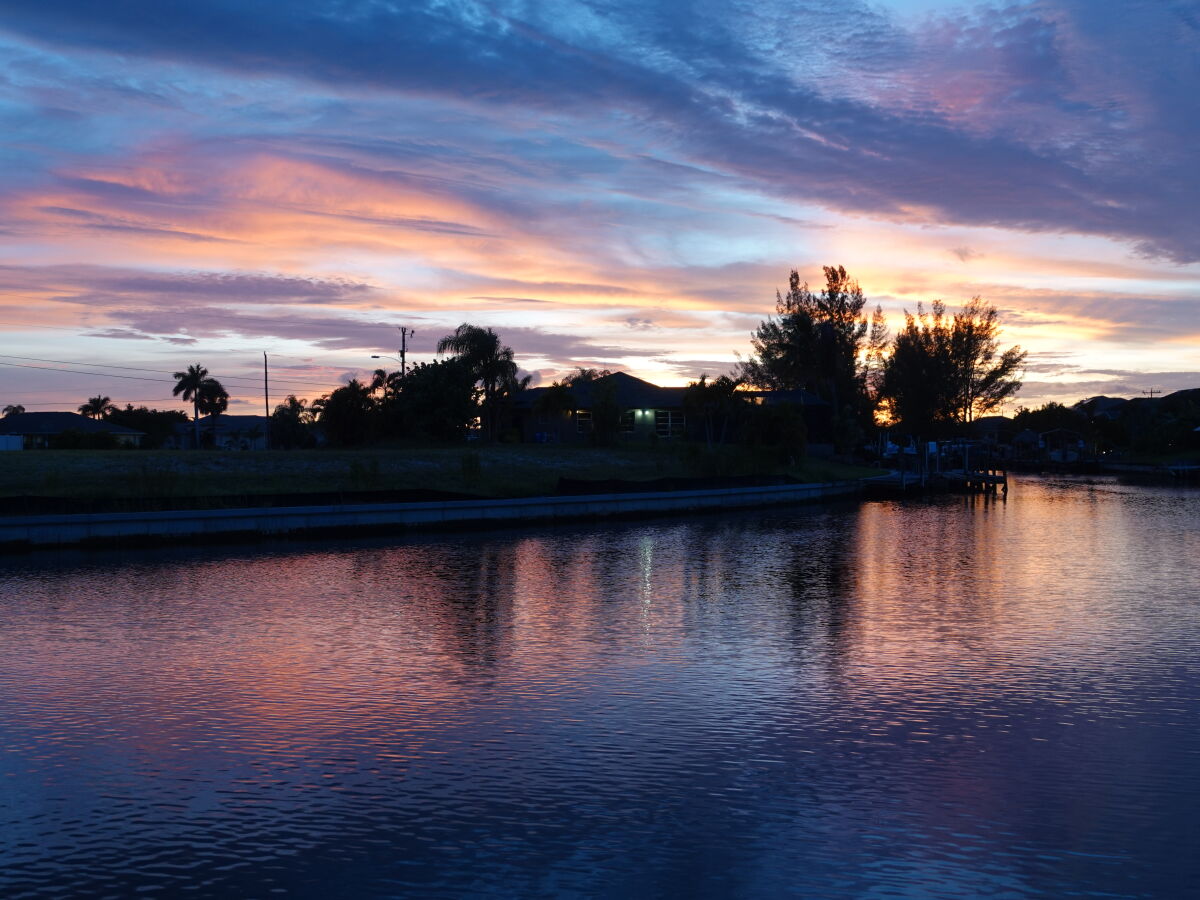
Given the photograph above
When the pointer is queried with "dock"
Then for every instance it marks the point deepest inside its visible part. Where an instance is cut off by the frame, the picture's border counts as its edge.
(976, 481)
(969, 481)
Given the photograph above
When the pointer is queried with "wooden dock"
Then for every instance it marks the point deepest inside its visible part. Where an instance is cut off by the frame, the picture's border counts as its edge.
(976, 481)
(971, 481)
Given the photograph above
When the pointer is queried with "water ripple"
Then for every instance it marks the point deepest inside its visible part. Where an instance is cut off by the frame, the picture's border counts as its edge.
(956, 698)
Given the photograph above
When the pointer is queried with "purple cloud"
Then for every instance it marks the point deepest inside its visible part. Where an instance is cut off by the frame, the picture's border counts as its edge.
(1043, 117)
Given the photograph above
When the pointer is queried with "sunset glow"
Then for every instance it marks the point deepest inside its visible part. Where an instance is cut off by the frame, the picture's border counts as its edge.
(623, 185)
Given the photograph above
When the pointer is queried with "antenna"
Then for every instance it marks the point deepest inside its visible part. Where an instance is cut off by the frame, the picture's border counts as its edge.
(1152, 392)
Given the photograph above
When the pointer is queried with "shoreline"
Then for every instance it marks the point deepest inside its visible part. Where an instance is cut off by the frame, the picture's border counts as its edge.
(25, 533)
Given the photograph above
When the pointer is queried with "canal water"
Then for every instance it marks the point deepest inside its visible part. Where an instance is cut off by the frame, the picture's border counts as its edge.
(962, 697)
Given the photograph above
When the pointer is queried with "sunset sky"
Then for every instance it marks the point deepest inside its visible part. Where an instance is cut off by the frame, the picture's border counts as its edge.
(614, 183)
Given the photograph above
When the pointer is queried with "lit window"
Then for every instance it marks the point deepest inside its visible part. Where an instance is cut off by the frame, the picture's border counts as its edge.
(668, 423)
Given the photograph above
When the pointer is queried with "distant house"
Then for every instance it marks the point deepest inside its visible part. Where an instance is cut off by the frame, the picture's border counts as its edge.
(222, 432)
(993, 429)
(645, 411)
(1102, 407)
(1062, 444)
(38, 430)
(1027, 445)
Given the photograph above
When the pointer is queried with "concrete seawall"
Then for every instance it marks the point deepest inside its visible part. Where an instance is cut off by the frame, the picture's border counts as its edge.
(24, 532)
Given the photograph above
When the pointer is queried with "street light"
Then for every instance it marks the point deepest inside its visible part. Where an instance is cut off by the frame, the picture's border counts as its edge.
(405, 334)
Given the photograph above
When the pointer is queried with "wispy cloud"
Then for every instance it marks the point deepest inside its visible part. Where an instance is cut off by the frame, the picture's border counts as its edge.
(640, 173)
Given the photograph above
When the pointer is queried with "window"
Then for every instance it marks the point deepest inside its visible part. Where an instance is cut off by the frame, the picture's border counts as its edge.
(668, 422)
(583, 421)
(627, 421)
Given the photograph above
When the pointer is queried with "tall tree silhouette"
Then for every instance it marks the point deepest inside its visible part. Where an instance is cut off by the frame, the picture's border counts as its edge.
(814, 342)
(346, 414)
(97, 407)
(188, 386)
(945, 370)
(492, 364)
(714, 403)
(213, 398)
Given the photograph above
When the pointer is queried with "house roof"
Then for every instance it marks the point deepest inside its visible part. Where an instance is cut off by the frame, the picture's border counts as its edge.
(234, 423)
(630, 392)
(627, 391)
(57, 423)
(224, 422)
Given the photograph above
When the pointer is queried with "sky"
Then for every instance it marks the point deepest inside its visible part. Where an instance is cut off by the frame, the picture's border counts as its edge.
(614, 183)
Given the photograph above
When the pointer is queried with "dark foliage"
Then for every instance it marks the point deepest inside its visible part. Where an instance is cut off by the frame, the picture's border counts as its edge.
(158, 425)
(291, 425)
(717, 405)
(347, 415)
(814, 343)
(493, 367)
(435, 401)
(943, 372)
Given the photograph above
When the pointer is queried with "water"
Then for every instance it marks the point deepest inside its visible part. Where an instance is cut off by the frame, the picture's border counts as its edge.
(960, 698)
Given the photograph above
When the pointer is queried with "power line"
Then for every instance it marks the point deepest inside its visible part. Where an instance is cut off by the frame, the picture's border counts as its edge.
(80, 372)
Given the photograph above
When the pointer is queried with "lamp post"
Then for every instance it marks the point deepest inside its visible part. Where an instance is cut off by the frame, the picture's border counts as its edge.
(405, 334)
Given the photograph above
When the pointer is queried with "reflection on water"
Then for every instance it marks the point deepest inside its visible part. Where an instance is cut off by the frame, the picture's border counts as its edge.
(957, 698)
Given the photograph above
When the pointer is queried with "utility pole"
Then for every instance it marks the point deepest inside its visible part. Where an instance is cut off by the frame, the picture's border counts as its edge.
(405, 333)
(267, 400)
(1150, 393)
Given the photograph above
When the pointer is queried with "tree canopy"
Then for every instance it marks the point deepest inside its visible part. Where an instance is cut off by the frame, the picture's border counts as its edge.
(493, 366)
(946, 370)
(817, 342)
(207, 395)
(814, 341)
(97, 407)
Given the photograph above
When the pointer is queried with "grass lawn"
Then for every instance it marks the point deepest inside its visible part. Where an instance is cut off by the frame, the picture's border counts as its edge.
(501, 471)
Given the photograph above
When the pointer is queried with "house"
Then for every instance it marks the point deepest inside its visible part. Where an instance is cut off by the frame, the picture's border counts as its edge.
(1027, 445)
(222, 432)
(1102, 407)
(644, 411)
(38, 430)
(995, 434)
(1062, 444)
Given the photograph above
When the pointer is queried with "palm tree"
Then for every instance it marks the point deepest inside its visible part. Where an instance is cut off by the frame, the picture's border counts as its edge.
(97, 407)
(213, 399)
(188, 385)
(491, 362)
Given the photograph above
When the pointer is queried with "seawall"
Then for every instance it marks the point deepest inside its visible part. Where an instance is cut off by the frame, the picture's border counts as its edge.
(179, 526)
